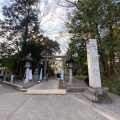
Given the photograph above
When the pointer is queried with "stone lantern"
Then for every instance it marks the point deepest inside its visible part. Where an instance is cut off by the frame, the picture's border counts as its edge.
(28, 72)
(70, 62)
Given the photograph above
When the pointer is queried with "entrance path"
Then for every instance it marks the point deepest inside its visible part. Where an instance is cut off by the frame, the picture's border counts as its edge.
(50, 84)
(15, 105)
(46, 87)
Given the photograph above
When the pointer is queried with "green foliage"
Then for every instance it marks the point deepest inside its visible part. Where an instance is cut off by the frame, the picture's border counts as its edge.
(22, 34)
(78, 48)
(96, 19)
(112, 82)
(32, 47)
(50, 46)
(20, 23)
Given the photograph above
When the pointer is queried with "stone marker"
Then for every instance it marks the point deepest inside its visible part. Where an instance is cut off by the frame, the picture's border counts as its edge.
(93, 64)
(70, 74)
(94, 92)
(36, 75)
(26, 75)
(11, 78)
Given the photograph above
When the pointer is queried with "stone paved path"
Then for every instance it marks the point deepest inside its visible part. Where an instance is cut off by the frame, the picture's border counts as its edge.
(6, 89)
(46, 87)
(50, 84)
(16, 105)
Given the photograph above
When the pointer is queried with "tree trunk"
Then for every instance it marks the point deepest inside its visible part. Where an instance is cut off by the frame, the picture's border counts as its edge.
(103, 59)
(111, 53)
(112, 63)
(105, 66)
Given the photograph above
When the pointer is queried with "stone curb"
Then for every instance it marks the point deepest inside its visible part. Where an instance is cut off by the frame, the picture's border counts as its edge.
(75, 89)
(18, 87)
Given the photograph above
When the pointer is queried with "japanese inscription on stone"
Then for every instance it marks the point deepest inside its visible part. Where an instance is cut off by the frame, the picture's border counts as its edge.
(93, 63)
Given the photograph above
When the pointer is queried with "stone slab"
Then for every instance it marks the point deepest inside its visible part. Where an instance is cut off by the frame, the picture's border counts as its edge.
(46, 91)
(97, 94)
(13, 85)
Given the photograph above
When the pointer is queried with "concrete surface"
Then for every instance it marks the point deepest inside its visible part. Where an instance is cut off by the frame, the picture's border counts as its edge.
(72, 106)
(50, 84)
(15, 105)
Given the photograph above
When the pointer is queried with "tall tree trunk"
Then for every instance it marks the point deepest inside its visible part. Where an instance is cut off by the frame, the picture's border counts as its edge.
(103, 59)
(111, 53)
(112, 62)
(105, 66)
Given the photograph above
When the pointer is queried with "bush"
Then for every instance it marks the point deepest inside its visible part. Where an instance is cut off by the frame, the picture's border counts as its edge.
(112, 82)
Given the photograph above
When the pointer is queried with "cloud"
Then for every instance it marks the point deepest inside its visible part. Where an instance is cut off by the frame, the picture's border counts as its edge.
(54, 23)
(52, 20)
(1, 1)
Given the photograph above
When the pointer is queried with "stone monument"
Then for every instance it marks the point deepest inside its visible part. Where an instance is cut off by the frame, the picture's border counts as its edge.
(70, 62)
(94, 92)
(35, 75)
(28, 65)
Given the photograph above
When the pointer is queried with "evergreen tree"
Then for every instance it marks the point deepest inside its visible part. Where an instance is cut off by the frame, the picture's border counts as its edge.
(22, 33)
(89, 19)
(20, 22)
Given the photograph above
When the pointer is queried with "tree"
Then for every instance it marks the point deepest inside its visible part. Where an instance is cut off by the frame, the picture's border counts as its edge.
(21, 31)
(50, 46)
(90, 19)
(20, 22)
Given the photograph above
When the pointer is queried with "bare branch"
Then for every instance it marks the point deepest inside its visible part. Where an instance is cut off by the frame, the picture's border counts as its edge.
(74, 3)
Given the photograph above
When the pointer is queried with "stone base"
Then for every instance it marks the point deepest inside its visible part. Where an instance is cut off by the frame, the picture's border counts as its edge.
(97, 94)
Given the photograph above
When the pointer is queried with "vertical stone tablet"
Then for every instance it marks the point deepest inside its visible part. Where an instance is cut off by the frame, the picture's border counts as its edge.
(93, 64)
(94, 91)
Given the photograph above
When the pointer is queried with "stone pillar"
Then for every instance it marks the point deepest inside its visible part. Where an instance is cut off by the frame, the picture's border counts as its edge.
(30, 75)
(93, 64)
(63, 64)
(26, 75)
(45, 68)
(94, 92)
(11, 79)
(36, 75)
(70, 74)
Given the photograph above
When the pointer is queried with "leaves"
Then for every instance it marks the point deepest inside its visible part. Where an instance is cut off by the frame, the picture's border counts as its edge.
(97, 18)
(22, 34)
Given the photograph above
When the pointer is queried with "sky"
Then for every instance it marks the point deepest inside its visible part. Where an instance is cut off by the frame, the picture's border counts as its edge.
(56, 19)
(53, 23)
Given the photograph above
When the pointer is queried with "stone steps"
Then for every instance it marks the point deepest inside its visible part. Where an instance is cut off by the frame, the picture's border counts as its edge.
(46, 92)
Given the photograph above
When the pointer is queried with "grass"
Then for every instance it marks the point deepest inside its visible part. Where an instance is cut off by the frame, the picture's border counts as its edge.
(112, 82)
(80, 77)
